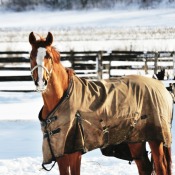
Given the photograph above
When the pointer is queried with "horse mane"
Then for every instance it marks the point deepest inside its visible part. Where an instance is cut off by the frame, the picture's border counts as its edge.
(56, 54)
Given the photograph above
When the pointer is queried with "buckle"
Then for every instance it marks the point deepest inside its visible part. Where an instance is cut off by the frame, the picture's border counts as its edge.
(50, 133)
(48, 121)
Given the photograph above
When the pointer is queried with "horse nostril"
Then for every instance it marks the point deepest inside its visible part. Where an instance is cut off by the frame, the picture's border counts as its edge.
(36, 83)
(45, 82)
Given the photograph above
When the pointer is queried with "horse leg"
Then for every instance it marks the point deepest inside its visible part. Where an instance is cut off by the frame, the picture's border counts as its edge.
(69, 164)
(75, 163)
(139, 154)
(162, 158)
(63, 164)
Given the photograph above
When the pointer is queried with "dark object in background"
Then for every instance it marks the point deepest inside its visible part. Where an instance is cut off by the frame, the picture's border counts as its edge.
(160, 75)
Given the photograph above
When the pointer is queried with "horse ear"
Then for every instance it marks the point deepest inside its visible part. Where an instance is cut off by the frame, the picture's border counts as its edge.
(49, 39)
(32, 38)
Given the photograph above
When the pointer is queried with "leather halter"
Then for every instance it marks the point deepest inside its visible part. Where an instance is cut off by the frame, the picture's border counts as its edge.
(48, 72)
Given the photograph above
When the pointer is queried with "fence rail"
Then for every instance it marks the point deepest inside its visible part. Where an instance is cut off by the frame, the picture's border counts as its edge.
(15, 66)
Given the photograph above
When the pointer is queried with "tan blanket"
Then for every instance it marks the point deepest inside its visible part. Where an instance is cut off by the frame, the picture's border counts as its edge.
(130, 109)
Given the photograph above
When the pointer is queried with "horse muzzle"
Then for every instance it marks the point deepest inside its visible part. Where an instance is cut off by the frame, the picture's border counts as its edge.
(41, 85)
(41, 81)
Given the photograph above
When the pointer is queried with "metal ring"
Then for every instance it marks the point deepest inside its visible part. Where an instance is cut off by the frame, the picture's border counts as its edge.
(48, 121)
(50, 133)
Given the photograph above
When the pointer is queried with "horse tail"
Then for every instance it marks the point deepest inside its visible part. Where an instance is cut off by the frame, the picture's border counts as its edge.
(168, 159)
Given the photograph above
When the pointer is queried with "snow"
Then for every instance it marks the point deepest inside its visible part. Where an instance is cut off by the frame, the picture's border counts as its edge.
(89, 18)
(114, 29)
(30, 166)
(126, 29)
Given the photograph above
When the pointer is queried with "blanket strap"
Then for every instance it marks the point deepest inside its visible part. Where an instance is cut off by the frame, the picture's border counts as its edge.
(105, 133)
(47, 135)
(43, 166)
(50, 133)
(79, 125)
(48, 121)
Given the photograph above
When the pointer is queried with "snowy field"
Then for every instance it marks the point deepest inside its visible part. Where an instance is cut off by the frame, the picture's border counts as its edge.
(114, 29)
(118, 29)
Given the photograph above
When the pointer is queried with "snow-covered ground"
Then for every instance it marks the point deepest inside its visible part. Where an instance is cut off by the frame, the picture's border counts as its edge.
(114, 29)
(88, 18)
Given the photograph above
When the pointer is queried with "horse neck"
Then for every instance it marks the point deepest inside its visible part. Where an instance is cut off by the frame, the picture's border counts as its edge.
(56, 87)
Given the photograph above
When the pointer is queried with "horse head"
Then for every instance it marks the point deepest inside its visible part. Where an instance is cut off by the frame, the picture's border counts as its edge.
(42, 59)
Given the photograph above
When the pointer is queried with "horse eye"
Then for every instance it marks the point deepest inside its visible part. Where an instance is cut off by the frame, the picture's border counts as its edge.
(48, 56)
(32, 57)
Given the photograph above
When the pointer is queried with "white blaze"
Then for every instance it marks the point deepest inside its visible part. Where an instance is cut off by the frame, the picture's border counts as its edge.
(40, 61)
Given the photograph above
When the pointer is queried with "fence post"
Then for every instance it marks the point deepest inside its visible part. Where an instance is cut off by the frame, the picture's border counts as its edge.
(72, 58)
(156, 62)
(99, 65)
(146, 65)
(110, 60)
(174, 66)
(146, 61)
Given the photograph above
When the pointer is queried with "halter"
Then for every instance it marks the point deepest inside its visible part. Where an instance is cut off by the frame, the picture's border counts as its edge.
(47, 71)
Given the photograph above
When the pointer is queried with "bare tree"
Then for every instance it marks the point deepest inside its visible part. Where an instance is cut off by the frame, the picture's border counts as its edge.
(84, 3)
(21, 5)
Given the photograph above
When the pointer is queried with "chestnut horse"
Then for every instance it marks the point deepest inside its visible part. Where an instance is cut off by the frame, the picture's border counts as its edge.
(52, 79)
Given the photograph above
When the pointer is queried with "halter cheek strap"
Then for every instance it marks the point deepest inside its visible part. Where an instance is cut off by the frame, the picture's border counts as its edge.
(47, 71)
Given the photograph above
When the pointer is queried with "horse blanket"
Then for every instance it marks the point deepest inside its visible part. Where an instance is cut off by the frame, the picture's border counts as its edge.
(97, 114)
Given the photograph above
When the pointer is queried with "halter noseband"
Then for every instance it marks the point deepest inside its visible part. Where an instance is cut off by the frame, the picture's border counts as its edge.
(48, 75)
(48, 72)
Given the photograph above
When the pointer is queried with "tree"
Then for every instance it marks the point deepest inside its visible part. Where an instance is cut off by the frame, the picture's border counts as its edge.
(84, 3)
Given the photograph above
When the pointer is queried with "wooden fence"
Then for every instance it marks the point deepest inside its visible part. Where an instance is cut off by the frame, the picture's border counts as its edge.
(15, 66)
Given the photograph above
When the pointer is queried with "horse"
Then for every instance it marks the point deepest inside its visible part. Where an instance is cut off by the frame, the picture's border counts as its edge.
(139, 112)
(69, 162)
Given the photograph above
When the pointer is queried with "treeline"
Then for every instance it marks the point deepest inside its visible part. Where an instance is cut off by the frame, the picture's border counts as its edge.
(22, 5)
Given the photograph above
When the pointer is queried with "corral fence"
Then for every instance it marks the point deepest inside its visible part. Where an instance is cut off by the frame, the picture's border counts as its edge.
(15, 66)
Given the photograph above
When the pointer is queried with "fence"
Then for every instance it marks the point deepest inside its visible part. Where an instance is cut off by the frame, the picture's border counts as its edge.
(15, 66)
